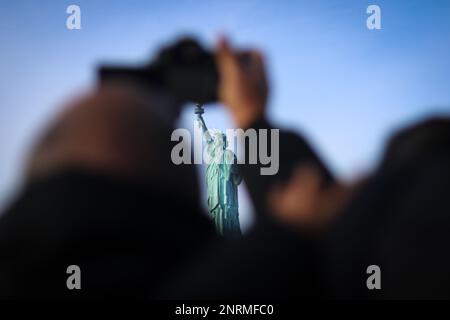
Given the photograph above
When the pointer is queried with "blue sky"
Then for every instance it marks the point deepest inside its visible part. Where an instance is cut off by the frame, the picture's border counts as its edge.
(344, 86)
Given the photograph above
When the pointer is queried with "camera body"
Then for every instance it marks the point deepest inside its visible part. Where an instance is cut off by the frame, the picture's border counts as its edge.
(183, 69)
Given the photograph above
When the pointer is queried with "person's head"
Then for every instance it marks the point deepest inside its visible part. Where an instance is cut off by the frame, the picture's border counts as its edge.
(421, 139)
(111, 131)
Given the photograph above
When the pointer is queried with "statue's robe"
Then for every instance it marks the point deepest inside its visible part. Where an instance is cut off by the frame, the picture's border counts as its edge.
(222, 179)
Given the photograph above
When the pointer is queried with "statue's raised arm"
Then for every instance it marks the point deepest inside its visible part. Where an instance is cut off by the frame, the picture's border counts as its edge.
(199, 111)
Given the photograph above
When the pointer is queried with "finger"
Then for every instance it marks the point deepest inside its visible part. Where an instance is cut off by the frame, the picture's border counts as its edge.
(225, 58)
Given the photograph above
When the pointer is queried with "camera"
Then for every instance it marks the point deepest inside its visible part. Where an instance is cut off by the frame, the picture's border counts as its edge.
(184, 69)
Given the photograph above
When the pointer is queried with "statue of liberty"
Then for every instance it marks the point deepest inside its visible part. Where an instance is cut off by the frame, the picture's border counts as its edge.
(222, 179)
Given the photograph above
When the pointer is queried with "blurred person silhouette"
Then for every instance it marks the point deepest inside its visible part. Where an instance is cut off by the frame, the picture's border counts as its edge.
(397, 218)
(99, 195)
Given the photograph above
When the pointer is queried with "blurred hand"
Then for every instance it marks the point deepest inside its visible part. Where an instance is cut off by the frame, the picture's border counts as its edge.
(304, 203)
(243, 87)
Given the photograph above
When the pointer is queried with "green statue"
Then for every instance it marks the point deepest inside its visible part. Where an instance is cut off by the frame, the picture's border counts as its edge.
(222, 179)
